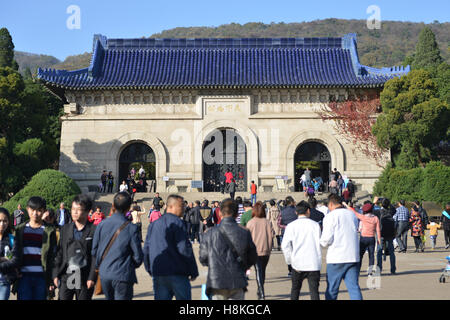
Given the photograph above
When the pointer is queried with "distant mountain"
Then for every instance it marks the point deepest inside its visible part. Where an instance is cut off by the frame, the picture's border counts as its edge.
(32, 61)
(386, 47)
(376, 48)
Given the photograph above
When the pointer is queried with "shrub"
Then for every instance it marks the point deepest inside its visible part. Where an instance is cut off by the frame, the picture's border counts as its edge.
(427, 184)
(52, 185)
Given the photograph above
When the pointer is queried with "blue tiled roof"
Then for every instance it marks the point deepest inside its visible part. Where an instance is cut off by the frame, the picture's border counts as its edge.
(221, 63)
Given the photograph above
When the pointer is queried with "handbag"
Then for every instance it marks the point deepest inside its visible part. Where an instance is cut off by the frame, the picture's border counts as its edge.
(98, 285)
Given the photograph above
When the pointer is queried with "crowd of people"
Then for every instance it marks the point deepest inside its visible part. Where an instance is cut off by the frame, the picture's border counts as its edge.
(85, 251)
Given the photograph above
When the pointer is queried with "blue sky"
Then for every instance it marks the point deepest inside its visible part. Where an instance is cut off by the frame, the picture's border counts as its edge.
(40, 26)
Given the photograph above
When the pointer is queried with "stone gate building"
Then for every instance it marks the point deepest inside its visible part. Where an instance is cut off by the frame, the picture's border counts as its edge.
(159, 102)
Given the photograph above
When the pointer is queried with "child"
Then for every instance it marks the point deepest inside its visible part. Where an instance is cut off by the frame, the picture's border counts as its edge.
(433, 227)
(35, 252)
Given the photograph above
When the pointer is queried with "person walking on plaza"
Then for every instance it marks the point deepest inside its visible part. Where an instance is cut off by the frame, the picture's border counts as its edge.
(253, 191)
(168, 254)
(228, 179)
(424, 216)
(241, 209)
(262, 236)
(232, 188)
(206, 218)
(34, 253)
(136, 213)
(370, 228)
(62, 215)
(307, 174)
(117, 268)
(333, 186)
(340, 235)
(194, 218)
(73, 254)
(288, 215)
(301, 249)
(433, 227)
(388, 232)
(315, 214)
(7, 267)
(248, 213)
(416, 228)
(273, 216)
(446, 224)
(401, 217)
(157, 202)
(228, 251)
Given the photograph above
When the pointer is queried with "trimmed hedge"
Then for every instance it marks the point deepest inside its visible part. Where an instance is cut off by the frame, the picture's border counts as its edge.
(52, 185)
(424, 184)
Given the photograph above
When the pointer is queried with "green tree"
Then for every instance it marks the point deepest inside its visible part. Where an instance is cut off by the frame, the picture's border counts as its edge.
(30, 130)
(7, 50)
(428, 55)
(414, 119)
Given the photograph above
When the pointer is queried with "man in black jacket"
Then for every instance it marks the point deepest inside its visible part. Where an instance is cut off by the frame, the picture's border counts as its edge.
(228, 251)
(194, 219)
(74, 270)
(288, 214)
(388, 232)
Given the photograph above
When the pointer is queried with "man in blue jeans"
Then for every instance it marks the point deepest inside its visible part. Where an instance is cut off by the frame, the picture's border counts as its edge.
(340, 235)
(168, 254)
(118, 269)
(401, 217)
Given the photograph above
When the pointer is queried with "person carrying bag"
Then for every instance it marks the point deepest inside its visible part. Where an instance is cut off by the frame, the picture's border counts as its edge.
(98, 285)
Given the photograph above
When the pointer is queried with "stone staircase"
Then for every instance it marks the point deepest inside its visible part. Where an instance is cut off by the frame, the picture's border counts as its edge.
(145, 199)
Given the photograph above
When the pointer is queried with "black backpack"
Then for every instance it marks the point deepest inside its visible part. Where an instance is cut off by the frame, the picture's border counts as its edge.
(387, 226)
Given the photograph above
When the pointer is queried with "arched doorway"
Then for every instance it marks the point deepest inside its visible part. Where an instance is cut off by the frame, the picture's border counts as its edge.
(224, 149)
(317, 158)
(135, 155)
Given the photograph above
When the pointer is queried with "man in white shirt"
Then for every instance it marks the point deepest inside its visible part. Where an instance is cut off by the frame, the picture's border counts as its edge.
(340, 235)
(301, 249)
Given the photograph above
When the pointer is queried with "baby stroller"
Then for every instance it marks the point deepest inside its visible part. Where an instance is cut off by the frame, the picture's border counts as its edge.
(446, 272)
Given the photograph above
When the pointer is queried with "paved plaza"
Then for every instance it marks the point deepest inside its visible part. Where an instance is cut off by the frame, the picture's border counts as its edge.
(417, 278)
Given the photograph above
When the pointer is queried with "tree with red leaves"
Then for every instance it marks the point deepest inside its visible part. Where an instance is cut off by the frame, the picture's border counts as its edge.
(354, 119)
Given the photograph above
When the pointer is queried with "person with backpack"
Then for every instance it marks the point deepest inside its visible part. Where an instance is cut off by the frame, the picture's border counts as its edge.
(73, 255)
(7, 267)
(424, 216)
(310, 193)
(388, 232)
